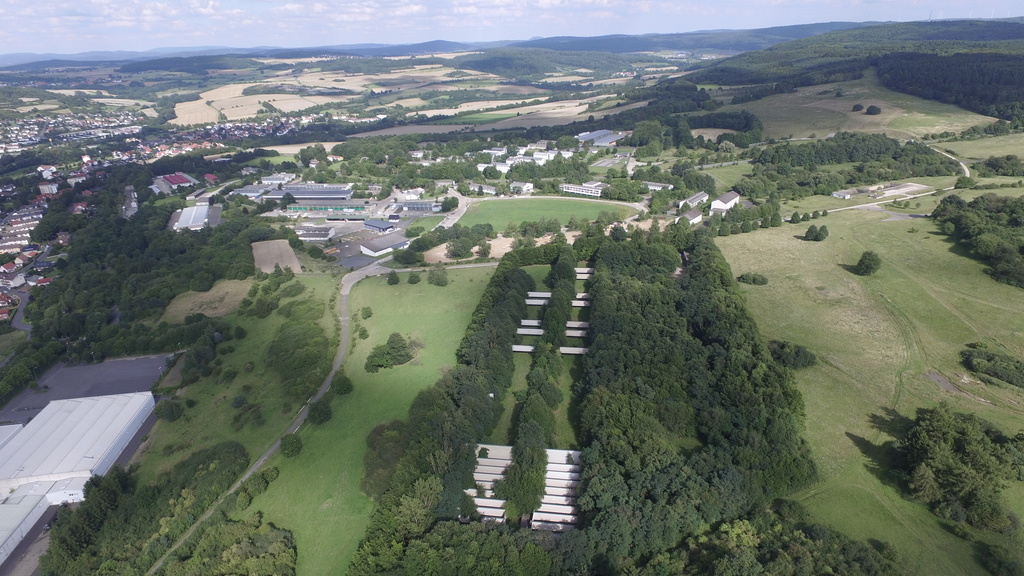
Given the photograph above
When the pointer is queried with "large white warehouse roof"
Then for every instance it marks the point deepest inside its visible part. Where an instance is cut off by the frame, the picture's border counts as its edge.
(73, 438)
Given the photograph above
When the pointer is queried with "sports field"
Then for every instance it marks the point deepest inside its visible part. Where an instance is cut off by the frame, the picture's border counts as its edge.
(317, 496)
(500, 212)
(876, 338)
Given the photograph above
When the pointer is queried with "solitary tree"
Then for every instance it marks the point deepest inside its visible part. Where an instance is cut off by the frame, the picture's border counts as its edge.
(873, 110)
(291, 445)
(868, 264)
(858, 107)
(437, 275)
(393, 278)
(320, 411)
(795, 217)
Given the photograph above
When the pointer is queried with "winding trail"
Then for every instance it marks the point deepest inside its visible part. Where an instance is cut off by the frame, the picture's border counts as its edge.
(347, 283)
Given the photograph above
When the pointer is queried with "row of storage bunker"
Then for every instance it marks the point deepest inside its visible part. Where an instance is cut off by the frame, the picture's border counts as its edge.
(557, 512)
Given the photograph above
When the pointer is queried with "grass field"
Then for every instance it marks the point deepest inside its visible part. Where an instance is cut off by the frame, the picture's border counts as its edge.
(209, 421)
(810, 111)
(499, 213)
(10, 341)
(428, 222)
(219, 301)
(317, 495)
(875, 338)
(983, 148)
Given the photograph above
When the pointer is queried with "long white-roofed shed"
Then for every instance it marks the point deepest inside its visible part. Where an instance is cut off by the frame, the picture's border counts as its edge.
(49, 460)
(75, 438)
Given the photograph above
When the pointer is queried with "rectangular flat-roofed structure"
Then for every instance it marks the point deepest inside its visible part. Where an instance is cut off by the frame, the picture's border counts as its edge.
(74, 438)
(196, 217)
(312, 191)
(382, 245)
(49, 461)
(379, 226)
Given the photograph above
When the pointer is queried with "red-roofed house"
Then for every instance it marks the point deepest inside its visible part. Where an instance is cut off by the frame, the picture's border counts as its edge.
(211, 179)
(5, 313)
(79, 207)
(9, 267)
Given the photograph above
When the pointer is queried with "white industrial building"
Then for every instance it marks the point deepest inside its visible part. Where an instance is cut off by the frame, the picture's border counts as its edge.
(49, 461)
(592, 189)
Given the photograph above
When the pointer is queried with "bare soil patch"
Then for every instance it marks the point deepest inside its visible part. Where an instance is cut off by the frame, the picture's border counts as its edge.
(272, 252)
(941, 381)
(711, 133)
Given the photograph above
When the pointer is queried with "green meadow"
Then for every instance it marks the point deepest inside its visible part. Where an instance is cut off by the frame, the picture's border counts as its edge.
(317, 496)
(209, 421)
(887, 345)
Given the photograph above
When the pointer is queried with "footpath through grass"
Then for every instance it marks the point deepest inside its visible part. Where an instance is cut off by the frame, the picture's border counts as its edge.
(209, 421)
(875, 339)
(317, 496)
(500, 212)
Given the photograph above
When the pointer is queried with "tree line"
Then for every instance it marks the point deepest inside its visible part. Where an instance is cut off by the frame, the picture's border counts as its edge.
(989, 226)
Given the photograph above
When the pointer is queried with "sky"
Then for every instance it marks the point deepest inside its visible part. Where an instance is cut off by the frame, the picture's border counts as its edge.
(72, 26)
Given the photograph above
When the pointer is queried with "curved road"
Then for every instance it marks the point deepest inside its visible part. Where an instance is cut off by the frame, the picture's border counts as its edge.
(347, 283)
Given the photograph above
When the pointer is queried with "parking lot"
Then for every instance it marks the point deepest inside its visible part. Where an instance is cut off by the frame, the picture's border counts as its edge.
(137, 374)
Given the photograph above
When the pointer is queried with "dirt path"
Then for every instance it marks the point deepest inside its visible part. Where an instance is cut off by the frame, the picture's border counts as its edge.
(347, 283)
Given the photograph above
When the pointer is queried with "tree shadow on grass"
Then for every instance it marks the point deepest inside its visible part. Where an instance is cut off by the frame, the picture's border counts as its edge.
(849, 268)
(890, 422)
(880, 458)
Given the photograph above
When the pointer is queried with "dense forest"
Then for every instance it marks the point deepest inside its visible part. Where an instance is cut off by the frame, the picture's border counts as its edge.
(959, 464)
(794, 170)
(686, 420)
(942, 60)
(986, 83)
(991, 228)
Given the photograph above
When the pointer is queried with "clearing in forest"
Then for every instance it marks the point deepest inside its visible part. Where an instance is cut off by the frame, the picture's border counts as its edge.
(216, 302)
(275, 252)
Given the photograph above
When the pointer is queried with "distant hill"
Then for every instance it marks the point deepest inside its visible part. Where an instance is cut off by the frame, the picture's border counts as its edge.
(844, 54)
(534, 62)
(434, 47)
(731, 40)
(191, 64)
(978, 65)
(726, 40)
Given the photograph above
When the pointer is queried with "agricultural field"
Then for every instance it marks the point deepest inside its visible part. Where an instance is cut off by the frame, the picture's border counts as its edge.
(217, 302)
(210, 420)
(273, 253)
(500, 212)
(317, 496)
(815, 111)
(886, 345)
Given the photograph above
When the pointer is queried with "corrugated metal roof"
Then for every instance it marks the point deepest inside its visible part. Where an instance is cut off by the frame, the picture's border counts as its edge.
(70, 437)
